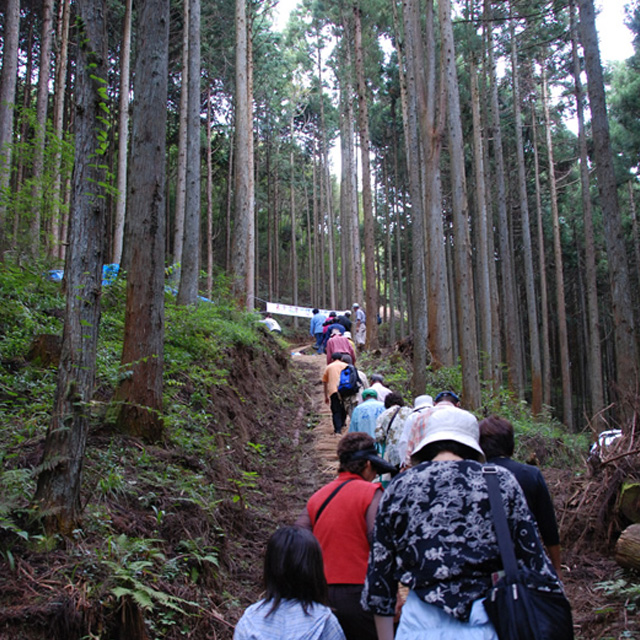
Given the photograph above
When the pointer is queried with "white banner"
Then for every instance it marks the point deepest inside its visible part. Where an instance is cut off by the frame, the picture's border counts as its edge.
(290, 310)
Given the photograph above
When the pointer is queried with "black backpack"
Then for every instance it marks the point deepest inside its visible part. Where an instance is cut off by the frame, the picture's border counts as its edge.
(349, 381)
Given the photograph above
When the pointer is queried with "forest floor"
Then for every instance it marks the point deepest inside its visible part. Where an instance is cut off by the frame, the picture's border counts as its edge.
(596, 615)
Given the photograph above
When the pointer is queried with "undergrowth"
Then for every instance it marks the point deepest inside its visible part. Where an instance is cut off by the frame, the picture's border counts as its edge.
(156, 532)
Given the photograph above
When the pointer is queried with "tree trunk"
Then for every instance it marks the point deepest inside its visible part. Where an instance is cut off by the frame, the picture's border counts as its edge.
(532, 312)
(367, 201)
(59, 96)
(622, 310)
(8, 77)
(123, 134)
(58, 491)
(294, 239)
(190, 269)
(181, 181)
(483, 229)
(209, 196)
(418, 276)
(243, 233)
(542, 267)
(140, 392)
(432, 123)
(627, 551)
(596, 383)
(515, 367)
(42, 101)
(464, 274)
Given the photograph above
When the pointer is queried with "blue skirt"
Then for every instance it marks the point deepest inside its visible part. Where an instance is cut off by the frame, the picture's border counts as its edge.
(422, 621)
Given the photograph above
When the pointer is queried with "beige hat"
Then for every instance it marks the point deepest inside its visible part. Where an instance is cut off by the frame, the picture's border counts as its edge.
(451, 423)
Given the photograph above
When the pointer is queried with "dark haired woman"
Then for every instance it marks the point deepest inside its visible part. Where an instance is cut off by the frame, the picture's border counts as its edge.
(434, 533)
(295, 602)
(341, 515)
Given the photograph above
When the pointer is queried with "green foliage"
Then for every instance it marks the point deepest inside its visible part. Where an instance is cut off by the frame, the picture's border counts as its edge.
(57, 162)
(625, 586)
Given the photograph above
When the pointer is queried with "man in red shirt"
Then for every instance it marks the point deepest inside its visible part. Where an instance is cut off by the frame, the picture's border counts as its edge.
(341, 515)
(337, 343)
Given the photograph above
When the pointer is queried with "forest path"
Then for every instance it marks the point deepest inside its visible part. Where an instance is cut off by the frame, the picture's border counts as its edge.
(325, 442)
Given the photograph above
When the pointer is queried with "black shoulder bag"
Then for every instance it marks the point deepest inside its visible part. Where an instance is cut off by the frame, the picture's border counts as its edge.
(522, 605)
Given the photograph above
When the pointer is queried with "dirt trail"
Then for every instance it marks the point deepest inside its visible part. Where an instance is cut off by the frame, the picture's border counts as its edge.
(325, 442)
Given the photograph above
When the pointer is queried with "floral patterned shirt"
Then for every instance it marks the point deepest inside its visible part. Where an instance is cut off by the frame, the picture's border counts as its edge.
(434, 533)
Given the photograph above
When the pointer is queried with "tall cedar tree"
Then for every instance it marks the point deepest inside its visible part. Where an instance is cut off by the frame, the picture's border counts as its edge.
(58, 491)
(140, 392)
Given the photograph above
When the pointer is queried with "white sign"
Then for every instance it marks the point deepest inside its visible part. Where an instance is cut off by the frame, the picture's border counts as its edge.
(290, 310)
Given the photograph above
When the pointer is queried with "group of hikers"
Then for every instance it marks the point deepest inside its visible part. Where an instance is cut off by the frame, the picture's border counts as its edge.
(402, 543)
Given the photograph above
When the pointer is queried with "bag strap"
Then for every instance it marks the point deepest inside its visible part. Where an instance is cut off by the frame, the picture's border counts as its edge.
(386, 435)
(330, 498)
(505, 542)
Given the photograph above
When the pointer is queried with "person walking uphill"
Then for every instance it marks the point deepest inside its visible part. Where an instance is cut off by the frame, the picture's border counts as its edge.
(364, 416)
(341, 516)
(361, 325)
(295, 605)
(330, 381)
(434, 532)
(337, 343)
(315, 329)
(497, 441)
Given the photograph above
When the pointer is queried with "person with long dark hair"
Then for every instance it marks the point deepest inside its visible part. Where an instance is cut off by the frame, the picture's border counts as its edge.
(295, 605)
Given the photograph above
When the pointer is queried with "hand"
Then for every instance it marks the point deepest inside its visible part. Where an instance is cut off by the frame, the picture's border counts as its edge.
(326, 399)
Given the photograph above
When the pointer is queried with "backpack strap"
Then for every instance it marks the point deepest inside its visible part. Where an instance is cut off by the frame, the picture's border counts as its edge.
(332, 495)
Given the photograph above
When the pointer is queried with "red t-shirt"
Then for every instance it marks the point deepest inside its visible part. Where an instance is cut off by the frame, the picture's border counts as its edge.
(342, 528)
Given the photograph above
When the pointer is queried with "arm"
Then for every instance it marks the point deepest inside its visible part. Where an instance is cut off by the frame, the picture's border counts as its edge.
(554, 555)
(372, 510)
(304, 521)
(384, 627)
(326, 392)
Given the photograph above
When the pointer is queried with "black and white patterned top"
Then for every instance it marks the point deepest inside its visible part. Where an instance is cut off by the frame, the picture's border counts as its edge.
(434, 534)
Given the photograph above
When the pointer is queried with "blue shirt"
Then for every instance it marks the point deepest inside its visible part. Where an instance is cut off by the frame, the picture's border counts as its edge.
(288, 622)
(364, 417)
(315, 326)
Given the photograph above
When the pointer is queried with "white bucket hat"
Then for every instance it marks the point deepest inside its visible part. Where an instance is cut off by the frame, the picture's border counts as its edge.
(451, 423)
(423, 401)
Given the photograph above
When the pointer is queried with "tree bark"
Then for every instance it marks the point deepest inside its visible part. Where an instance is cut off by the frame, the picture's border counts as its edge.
(464, 274)
(515, 367)
(542, 267)
(483, 229)
(58, 491)
(140, 392)
(190, 269)
(625, 338)
(412, 138)
(244, 230)
(59, 96)
(42, 101)
(181, 181)
(7, 105)
(367, 200)
(594, 360)
(532, 312)
(563, 338)
(123, 134)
